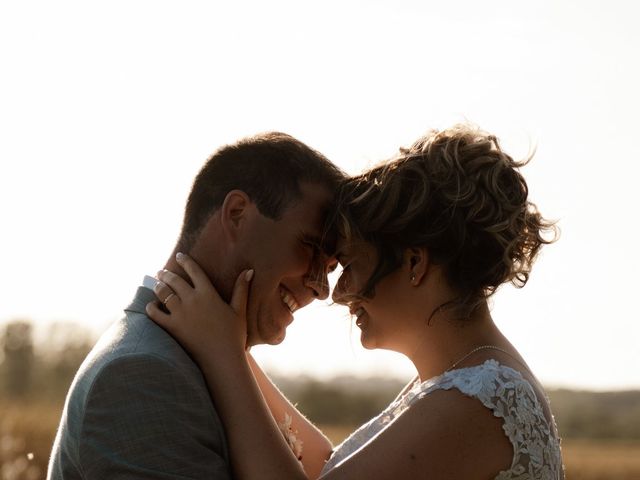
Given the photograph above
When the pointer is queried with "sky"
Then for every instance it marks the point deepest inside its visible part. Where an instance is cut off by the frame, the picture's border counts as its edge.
(108, 110)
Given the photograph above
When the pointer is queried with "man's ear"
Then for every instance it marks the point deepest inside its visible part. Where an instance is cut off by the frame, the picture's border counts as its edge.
(417, 264)
(235, 211)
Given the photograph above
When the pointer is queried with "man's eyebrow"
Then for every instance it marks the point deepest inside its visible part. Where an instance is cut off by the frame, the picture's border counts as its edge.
(311, 238)
(326, 244)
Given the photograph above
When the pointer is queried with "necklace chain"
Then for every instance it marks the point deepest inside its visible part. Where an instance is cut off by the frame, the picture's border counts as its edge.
(485, 347)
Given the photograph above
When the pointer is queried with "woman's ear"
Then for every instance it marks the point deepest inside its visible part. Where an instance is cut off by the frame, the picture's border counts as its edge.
(417, 262)
(235, 211)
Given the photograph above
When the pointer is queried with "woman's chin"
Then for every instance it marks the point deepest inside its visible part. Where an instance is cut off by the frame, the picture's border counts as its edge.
(367, 342)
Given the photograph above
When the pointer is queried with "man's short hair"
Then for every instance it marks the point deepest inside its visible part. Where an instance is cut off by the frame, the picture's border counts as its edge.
(269, 168)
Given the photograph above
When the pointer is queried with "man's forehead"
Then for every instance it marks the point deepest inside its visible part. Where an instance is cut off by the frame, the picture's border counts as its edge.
(324, 235)
(314, 204)
(307, 216)
(316, 193)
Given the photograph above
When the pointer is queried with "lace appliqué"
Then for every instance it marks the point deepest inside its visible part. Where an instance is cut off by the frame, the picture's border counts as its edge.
(536, 447)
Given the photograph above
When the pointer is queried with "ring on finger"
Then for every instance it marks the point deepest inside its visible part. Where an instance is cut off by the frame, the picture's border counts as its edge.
(168, 298)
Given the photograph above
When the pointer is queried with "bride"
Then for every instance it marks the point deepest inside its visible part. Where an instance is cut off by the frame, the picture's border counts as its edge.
(423, 240)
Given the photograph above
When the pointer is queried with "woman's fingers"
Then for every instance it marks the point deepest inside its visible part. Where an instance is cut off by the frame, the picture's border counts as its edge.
(196, 274)
(163, 292)
(158, 316)
(175, 283)
(241, 293)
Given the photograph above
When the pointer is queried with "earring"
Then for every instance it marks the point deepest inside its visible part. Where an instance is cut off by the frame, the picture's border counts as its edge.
(412, 277)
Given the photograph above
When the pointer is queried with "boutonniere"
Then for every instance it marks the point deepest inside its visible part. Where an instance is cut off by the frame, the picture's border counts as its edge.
(291, 436)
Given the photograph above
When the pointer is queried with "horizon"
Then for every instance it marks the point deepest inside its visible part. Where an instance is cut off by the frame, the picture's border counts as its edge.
(400, 373)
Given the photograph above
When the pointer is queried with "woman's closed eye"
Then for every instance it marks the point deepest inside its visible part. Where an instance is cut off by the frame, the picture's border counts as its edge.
(345, 264)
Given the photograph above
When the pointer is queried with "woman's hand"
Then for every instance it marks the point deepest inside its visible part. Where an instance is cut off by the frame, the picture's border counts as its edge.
(202, 322)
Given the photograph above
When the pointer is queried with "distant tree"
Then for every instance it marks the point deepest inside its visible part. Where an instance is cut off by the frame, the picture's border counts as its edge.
(66, 346)
(18, 361)
(347, 401)
(597, 415)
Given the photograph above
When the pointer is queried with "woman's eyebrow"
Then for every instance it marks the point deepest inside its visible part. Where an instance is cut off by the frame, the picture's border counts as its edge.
(333, 266)
(342, 256)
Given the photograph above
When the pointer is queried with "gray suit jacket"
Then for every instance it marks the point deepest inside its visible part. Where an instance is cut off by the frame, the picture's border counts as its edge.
(139, 408)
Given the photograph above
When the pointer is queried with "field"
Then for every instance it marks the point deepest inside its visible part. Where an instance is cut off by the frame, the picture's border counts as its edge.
(583, 460)
(591, 460)
(600, 430)
(27, 432)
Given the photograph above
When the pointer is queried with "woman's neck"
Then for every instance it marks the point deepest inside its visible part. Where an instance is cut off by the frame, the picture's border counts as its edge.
(446, 340)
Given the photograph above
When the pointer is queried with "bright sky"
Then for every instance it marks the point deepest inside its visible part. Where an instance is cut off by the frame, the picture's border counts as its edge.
(108, 109)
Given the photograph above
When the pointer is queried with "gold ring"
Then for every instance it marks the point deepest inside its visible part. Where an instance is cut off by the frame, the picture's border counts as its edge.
(168, 297)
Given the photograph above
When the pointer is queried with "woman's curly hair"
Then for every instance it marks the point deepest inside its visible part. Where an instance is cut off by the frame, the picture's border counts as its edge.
(457, 194)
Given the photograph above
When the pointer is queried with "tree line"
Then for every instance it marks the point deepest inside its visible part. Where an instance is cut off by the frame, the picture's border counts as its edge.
(30, 372)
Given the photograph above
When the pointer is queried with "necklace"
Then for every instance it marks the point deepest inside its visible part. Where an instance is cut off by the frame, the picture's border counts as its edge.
(485, 347)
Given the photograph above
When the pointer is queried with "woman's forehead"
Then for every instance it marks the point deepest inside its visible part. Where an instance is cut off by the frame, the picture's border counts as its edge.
(353, 246)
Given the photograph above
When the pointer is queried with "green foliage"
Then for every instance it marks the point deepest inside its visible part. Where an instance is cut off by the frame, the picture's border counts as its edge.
(353, 401)
(336, 403)
(29, 373)
(42, 372)
(18, 358)
(597, 415)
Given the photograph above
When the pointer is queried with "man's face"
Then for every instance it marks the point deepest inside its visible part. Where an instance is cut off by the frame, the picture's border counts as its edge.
(290, 268)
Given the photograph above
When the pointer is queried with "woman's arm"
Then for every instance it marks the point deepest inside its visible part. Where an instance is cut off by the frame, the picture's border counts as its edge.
(258, 449)
(316, 447)
(445, 435)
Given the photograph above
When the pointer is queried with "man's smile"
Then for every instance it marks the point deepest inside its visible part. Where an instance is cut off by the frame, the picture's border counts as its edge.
(288, 299)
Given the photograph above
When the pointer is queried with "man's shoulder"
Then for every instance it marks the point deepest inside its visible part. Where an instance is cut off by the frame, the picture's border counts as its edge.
(134, 347)
(137, 384)
(135, 337)
(136, 333)
(138, 364)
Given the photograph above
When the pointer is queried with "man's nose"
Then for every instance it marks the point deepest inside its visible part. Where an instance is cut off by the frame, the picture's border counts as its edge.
(318, 282)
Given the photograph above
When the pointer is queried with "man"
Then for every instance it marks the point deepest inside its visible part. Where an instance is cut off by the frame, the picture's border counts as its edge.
(139, 407)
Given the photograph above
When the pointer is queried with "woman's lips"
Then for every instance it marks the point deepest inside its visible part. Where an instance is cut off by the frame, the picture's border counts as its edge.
(360, 316)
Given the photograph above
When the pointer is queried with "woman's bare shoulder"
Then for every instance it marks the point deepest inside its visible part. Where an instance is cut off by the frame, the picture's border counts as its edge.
(445, 434)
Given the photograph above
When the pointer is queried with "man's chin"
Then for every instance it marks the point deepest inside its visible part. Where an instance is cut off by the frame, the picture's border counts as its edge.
(275, 338)
(278, 340)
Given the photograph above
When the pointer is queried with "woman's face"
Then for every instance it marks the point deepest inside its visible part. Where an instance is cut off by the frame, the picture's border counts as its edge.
(380, 318)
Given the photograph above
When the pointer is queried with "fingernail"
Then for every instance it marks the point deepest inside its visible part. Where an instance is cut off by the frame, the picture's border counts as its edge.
(159, 273)
(249, 275)
(179, 256)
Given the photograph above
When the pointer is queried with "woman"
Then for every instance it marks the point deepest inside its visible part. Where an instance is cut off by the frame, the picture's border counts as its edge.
(426, 239)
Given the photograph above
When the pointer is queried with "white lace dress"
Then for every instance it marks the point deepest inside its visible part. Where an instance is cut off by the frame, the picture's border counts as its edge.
(536, 447)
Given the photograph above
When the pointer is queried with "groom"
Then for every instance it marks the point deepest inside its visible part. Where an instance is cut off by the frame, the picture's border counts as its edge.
(139, 406)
